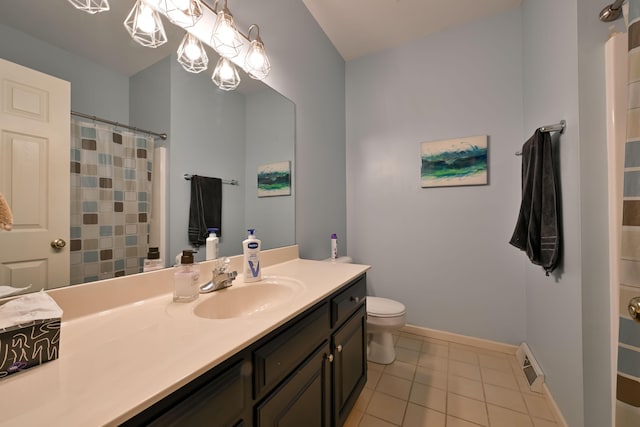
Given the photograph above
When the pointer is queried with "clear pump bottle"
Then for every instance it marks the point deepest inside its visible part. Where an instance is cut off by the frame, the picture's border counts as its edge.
(153, 261)
(185, 279)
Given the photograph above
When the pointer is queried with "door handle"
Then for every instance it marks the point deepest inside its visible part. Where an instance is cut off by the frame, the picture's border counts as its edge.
(634, 308)
(58, 244)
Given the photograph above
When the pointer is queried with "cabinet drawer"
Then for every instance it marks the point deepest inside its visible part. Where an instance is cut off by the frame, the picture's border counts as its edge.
(348, 301)
(274, 360)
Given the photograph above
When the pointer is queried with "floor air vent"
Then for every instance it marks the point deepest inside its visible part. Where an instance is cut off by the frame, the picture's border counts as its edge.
(530, 368)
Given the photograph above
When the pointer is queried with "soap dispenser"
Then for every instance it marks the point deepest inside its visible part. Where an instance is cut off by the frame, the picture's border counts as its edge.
(212, 244)
(153, 262)
(251, 258)
(185, 279)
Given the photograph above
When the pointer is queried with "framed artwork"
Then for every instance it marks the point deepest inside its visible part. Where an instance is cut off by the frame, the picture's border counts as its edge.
(274, 179)
(454, 162)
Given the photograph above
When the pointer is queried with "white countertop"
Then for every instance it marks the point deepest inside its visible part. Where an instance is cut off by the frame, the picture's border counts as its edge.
(117, 362)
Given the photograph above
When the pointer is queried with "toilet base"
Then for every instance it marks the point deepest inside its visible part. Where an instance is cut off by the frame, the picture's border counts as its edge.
(380, 348)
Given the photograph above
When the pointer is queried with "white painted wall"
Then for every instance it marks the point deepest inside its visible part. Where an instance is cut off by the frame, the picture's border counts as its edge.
(443, 252)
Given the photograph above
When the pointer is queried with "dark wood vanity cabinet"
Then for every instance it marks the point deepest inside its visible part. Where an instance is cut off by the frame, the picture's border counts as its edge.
(309, 372)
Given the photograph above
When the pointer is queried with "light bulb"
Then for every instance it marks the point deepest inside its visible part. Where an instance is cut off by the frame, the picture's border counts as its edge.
(226, 33)
(145, 21)
(192, 50)
(226, 72)
(255, 59)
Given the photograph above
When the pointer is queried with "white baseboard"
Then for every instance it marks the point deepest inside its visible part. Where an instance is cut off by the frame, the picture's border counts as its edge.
(461, 339)
(487, 345)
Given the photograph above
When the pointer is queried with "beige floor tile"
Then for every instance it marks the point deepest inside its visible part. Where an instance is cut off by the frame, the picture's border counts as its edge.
(387, 408)
(433, 362)
(434, 349)
(435, 341)
(457, 422)
(354, 418)
(401, 369)
(503, 417)
(409, 343)
(539, 422)
(363, 399)
(466, 370)
(429, 397)
(466, 387)
(419, 416)
(538, 406)
(463, 355)
(499, 378)
(394, 386)
(369, 421)
(407, 356)
(431, 377)
(499, 363)
(505, 397)
(372, 366)
(372, 379)
(467, 409)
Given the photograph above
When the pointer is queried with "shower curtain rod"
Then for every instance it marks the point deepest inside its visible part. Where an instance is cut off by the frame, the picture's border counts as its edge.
(558, 127)
(224, 181)
(116, 124)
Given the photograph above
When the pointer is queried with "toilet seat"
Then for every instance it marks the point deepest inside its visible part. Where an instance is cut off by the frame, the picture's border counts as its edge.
(384, 307)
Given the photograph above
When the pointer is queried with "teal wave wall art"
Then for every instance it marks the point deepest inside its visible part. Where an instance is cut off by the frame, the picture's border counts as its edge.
(454, 162)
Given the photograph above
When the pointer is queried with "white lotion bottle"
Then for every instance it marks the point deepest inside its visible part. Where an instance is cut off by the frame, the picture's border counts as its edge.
(251, 260)
(212, 244)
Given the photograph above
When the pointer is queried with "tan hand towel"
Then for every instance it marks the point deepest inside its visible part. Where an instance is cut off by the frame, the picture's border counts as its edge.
(6, 217)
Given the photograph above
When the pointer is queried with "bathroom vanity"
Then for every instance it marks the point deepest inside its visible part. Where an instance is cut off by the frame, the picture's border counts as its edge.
(130, 356)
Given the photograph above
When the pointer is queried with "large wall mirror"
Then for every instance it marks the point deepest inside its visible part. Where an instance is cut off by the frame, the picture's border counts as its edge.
(228, 135)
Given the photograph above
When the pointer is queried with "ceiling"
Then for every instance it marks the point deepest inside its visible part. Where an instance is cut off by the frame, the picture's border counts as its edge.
(360, 27)
(355, 27)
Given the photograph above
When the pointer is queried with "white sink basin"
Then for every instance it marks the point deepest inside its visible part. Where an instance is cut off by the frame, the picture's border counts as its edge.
(242, 300)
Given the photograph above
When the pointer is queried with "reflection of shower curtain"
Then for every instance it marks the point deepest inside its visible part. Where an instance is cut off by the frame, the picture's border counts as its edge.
(110, 201)
(628, 375)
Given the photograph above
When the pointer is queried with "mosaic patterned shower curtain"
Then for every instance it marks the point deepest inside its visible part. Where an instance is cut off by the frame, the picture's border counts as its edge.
(628, 378)
(110, 201)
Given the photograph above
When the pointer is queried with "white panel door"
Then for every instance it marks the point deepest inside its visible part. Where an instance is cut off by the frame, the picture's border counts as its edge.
(34, 176)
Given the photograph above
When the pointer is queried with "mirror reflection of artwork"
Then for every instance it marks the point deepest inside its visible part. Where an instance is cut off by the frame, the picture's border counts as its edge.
(274, 179)
(454, 162)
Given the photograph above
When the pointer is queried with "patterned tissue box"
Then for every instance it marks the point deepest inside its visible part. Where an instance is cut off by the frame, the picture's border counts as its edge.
(28, 344)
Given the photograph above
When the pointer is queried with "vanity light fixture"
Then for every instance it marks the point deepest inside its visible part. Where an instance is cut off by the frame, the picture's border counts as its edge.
(145, 26)
(91, 6)
(256, 63)
(185, 13)
(225, 75)
(225, 38)
(191, 54)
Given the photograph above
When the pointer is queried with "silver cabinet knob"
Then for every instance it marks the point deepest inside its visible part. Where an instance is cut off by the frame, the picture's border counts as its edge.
(58, 244)
(634, 308)
(355, 299)
(330, 358)
(339, 348)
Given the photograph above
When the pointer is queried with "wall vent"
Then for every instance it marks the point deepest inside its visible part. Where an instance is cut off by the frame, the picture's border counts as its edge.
(530, 368)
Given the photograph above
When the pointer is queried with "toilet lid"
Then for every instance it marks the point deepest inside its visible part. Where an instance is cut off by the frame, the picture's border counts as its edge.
(384, 307)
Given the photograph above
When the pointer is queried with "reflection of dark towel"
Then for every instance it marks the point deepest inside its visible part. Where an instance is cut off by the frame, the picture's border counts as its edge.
(538, 230)
(206, 208)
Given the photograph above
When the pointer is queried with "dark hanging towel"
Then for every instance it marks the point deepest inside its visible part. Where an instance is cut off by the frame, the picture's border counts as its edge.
(538, 229)
(205, 210)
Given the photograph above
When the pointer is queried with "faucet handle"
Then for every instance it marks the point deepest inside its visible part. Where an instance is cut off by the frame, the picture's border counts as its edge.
(222, 265)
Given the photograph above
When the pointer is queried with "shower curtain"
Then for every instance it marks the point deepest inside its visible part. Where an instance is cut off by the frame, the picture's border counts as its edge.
(628, 348)
(110, 201)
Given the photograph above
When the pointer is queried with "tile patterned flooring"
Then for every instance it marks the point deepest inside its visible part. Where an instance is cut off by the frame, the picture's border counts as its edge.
(434, 383)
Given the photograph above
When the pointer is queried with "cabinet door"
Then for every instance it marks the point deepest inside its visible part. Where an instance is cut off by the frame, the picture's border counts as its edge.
(304, 397)
(350, 364)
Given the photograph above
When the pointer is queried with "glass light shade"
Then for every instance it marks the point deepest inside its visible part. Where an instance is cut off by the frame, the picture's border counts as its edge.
(91, 6)
(225, 38)
(191, 54)
(185, 13)
(256, 63)
(145, 26)
(225, 75)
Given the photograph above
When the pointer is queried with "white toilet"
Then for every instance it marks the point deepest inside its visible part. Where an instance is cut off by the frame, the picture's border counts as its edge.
(383, 317)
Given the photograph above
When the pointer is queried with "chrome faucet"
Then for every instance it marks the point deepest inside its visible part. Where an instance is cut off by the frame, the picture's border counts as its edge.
(221, 277)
